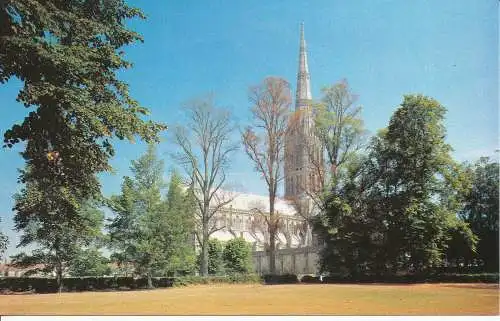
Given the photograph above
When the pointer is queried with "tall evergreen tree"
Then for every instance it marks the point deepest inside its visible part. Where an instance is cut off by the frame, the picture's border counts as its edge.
(137, 231)
(180, 217)
(151, 232)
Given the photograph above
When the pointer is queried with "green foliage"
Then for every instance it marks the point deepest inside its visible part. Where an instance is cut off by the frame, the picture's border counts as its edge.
(180, 224)
(48, 285)
(149, 232)
(280, 279)
(310, 279)
(237, 256)
(136, 231)
(415, 278)
(67, 55)
(89, 262)
(481, 210)
(215, 257)
(4, 241)
(396, 210)
(62, 243)
(339, 127)
(231, 278)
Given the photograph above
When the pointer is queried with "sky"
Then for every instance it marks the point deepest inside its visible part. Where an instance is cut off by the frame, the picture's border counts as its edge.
(445, 49)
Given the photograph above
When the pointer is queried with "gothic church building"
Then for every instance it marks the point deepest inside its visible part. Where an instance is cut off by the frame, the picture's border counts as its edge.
(303, 163)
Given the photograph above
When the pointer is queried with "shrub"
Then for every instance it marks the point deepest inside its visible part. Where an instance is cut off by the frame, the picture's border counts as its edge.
(215, 260)
(232, 278)
(310, 279)
(416, 278)
(281, 279)
(237, 256)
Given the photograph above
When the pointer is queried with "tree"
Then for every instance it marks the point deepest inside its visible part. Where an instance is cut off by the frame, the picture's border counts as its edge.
(89, 262)
(264, 143)
(67, 55)
(205, 147)
(481, 210)
(339, 128)
(139, 231)
(180, 224)
(215, 259)
(396, 212)
(59, 244)
(237, 256)
(4, 241)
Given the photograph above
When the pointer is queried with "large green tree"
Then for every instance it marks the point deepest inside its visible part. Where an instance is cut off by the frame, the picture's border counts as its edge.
(89, 262)
(481, 210)
(137, 231)
(57, 244)
(396, 211)
(180, 216)
(67, 54)
(150, 232)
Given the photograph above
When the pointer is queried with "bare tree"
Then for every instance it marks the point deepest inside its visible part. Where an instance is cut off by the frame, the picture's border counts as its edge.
(259, 226)
(264, 143)
(205, 147)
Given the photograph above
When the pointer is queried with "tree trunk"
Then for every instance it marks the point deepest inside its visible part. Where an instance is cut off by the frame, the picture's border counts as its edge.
(272, 236)
(59, 279)
(150, 279)
(204, 256)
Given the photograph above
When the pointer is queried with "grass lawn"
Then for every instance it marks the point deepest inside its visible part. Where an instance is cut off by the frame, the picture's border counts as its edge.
(420, 299)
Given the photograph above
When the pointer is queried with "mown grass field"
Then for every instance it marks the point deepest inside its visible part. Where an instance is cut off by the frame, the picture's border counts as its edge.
(303, 299)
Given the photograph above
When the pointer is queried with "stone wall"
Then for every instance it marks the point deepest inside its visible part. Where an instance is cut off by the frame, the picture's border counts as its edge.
(298, 261)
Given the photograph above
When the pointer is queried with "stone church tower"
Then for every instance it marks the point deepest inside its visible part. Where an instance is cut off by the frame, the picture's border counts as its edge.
(303, 152)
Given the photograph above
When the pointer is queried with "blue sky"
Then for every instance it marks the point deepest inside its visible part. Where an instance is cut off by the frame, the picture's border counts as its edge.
(385, 49)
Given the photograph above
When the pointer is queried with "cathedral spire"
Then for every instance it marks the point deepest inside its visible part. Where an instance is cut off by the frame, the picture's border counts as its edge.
(303, 97)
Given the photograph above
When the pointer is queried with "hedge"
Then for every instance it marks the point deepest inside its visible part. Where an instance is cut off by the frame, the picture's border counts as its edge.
(281, 279)
(310, 279)
(415, 278)
(78, 284)
(49, 285)
(232, 278)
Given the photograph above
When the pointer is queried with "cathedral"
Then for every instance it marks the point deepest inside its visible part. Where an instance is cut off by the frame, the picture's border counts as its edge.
(302, 171)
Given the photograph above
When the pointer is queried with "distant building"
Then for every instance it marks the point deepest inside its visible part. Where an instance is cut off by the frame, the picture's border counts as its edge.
(10, 270)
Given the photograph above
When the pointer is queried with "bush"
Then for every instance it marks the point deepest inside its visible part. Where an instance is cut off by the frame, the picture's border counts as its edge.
(416, 278)
(232, 278)
(72, 284)
(281, 279)
(310, 279)
(237, 256)
(215, 260)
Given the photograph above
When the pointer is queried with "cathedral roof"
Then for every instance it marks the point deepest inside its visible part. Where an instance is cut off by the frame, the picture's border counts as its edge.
(247, 202)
